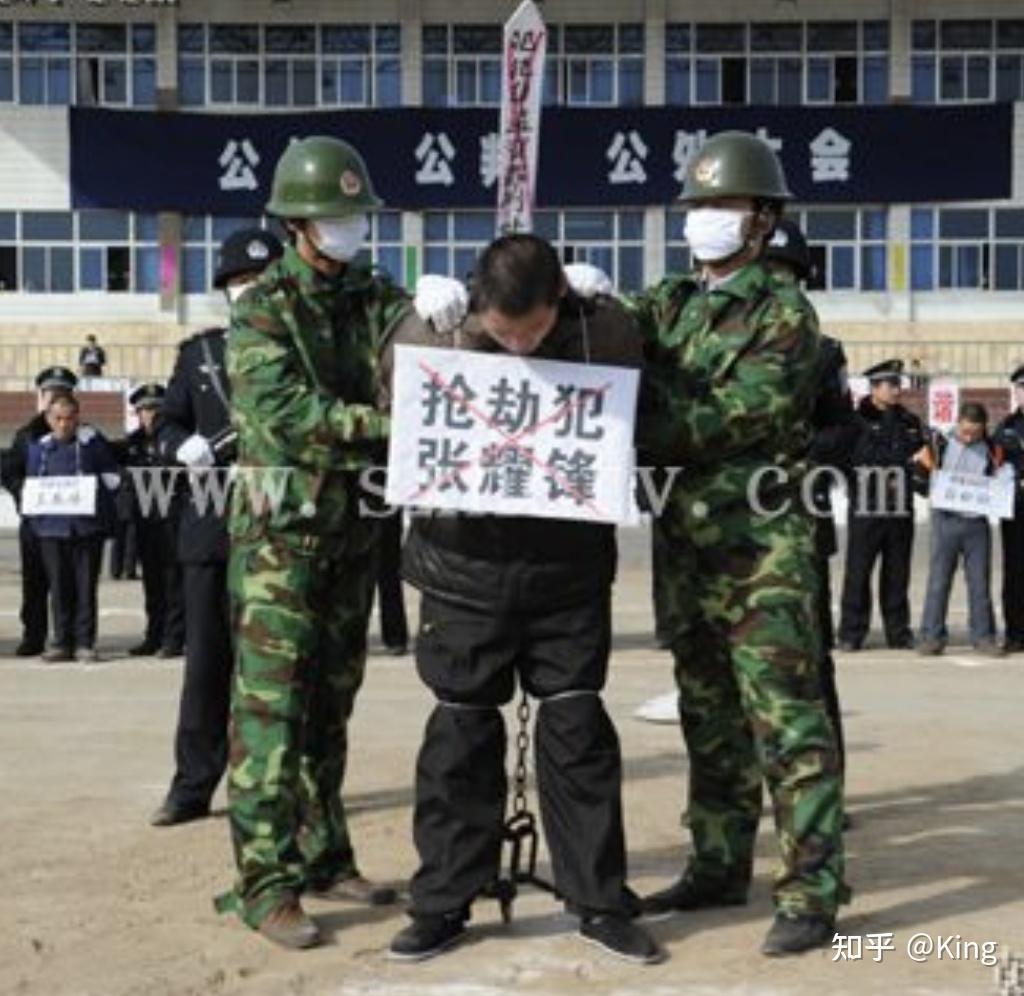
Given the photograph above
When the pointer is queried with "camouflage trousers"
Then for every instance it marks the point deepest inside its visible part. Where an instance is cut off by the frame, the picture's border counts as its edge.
(742, 616)
(300, 622)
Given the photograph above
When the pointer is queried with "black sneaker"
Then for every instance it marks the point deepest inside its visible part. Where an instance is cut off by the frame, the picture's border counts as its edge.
(693, 893)
(904, 641)
(620, 936)
(426, 937)
(798, 933)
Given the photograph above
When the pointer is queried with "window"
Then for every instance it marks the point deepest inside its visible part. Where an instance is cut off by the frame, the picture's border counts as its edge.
(360, 65)
(8, 251)
(828, 62)
(596, 64)
(847, 245)
(963, 61)
(6, 63)
(969, 248)
(461, 65)
(384, 250)
(452, 240)
(44, 63)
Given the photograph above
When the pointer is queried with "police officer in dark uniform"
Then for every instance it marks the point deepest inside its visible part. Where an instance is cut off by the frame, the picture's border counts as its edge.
(835, 431)
(1009, 437)
(156, 530)
(881, 516)
(35, 590)
(195, 431)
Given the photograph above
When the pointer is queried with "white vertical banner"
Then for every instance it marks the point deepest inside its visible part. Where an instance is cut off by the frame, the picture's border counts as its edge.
(522, 86)
(860, 388)
(943, 403)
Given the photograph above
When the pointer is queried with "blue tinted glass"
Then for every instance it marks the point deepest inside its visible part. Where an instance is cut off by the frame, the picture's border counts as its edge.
(945, 266)
(1007, 267)
(147, 270)
(952, 71)
(222, 226)
(146, 228)
(435, 39)
(791, 82)
(677, 37)
(102, 226)
(631, 82)
(842, 267)
(589, 225)
(62, 270)
(351, 39)
(6, 37)
(435, 226)
(1009, 78)
(490, 82)
(830, 225)
(329, 83)
(248, 82)
(922, 223)
(194, 277)
(465, 83)
(872, 268)
(600, 256)
(631, 38)
(958, 223)
(552, 74)
(872, 224)
(38, 226)
(677, 259)
(921, 275)
(1010, 223)
(352, 82)
(876, 79)
(90, 269)
(435, 83)
(577, 83)
(143, 37)
(602, 81)
(389, 226)
(291, 38)
(6, 80)
(388, 38)
(707, 81)
(101, 37)
(631, 225)
(463, 261)
(819, 80)
(33, 278)
(475, 226)
(675, 222)
(144, 82)
(275, 82)
(115, 81)
(34, 36)
(968, 265)
(31, 87)
(191, 37)
(436, 260)
(389, 259)
(8, 225)
(193, 228)
(979, 82)
(303, 83)
(389, 83)
(631, 268)
(762, 81)
(922, 79)
(58, 82)
(236, 39)
(191, 83)
(677, 81)
(221, 82)
(545, 224)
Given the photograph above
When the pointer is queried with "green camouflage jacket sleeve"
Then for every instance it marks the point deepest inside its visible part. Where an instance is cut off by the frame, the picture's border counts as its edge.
(730, 371)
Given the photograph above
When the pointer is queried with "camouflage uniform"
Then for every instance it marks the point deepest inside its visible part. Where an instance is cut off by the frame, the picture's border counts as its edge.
(302, 362)
(732, 375)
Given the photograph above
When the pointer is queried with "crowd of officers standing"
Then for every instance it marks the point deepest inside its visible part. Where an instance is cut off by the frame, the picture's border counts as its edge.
(737, 379)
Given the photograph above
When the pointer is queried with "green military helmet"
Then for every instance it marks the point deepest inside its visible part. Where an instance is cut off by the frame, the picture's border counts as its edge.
(735, 164)
(321, 177)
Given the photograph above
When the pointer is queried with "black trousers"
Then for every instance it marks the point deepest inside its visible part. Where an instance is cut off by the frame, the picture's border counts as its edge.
(201, 739)
(161, 583)
(869, 538)
(123, 550)
(470, 660)
(394, 629)
(34, 587)
(826, 663)
(1013, 577)
(73, 572)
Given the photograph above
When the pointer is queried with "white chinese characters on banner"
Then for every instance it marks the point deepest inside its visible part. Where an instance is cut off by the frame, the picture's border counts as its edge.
(627, 154)
(59, 496)
(973, 494)
(943, 404)
(479, 432)
(435, 154)
(687, 144)
(830, 157)
(238, 160)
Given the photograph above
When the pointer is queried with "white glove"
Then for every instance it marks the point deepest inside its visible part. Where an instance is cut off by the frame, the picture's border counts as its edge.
(111, 481)
(587, 280)
(195, 452)
(441, 300)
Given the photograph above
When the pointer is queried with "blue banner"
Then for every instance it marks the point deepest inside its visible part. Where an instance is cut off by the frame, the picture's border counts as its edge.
(434, 158)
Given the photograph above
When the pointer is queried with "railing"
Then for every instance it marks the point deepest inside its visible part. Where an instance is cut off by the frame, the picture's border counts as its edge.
(19, 363)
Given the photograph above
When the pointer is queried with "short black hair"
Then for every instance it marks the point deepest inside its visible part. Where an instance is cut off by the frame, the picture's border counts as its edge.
(515, 274)
(973, 412)
(63, 399)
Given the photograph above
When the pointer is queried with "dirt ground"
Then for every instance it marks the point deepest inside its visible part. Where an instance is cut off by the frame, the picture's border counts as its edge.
(95, 901)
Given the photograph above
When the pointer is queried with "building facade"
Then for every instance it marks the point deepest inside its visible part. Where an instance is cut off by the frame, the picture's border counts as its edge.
(941, 282)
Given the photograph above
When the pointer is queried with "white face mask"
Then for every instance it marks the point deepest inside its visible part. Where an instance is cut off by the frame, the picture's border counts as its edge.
(341, 238)
(235, 291)
(714, 233)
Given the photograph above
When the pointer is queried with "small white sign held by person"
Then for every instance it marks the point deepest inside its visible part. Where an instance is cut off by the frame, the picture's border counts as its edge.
(59, 496)
(490, 433)
(522, 83)
(943, 403)
(973, 494)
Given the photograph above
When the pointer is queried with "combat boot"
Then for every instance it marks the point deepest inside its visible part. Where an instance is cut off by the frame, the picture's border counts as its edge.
(355, 889)
(288, 926)
(794, 934)
(696, 892)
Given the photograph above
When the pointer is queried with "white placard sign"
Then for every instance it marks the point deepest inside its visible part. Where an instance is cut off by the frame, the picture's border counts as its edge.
(59, 496)
(480, 432)
(860, 387)
(973, 494)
